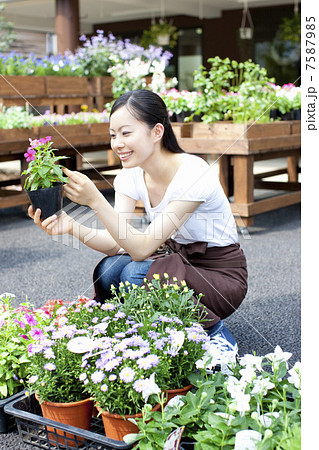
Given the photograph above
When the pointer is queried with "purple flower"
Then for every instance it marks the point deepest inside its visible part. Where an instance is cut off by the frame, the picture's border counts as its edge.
(97, 377)
(30, 319)
(148, 362)
(138, 385)
(21, 324)
(48, 353)
(104, 387)
(24, 336)
(127, 375)
(33, 379)
(110, 365)
(34, 348)
(36, 333)
(49, 366)
(30, 154)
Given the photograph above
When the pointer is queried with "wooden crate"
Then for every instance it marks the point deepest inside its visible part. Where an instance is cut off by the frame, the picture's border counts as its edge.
(18, 86)
(56, 86)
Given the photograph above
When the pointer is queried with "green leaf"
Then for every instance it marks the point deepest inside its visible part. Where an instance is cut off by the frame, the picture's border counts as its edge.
(4, 390)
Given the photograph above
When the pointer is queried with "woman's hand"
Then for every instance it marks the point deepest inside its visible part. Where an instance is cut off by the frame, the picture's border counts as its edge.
(53, 225)
(80, 189)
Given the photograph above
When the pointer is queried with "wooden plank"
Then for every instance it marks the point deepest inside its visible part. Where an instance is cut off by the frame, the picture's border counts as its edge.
(19, 86)
(265, 205)
(10, 198)
(66, 86)
(249, 131)
(270, 173)
(278, 185)
(100, 128)
(243, 179)
(296, 127)
(278, 142)
(15, 134)
(214, 146)
(274, 154)
(106, 86)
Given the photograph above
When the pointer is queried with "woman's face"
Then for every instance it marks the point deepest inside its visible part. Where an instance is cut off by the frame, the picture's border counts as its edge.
(131, 139)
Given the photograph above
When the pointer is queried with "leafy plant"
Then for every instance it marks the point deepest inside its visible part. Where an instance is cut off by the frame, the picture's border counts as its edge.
(251, 394)
(42, 172)
(150, 36)
(18, 117)
(290, 29)
(17, 326)
(231, 90)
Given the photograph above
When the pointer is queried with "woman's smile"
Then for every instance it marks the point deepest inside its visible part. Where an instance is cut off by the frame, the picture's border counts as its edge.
(124, 156)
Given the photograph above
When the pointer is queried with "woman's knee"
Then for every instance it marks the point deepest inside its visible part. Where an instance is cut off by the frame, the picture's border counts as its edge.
(135, 272)
(108, 271)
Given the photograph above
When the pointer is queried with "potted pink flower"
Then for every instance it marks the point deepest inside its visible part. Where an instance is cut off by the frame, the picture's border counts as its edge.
(44, 177)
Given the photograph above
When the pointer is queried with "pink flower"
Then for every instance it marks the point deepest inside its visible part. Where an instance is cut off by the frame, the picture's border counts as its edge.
(32, 321)
(30, 154)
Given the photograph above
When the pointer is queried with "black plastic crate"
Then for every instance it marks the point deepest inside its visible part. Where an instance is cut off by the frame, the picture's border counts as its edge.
(32, 428)
(7, 422)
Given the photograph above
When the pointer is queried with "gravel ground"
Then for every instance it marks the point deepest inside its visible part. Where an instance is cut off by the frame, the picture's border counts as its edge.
(34, 265)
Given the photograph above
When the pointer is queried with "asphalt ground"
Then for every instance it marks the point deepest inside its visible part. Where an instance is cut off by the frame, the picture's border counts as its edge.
(38, 267)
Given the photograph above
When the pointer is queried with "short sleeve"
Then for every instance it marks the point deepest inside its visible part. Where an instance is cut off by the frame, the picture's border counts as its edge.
(126, 182)
(196, 182)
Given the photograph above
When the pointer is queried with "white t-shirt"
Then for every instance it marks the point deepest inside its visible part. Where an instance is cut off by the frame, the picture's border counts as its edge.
(211, 222)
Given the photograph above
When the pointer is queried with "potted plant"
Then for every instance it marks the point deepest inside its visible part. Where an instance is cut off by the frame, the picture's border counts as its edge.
(252, 398)
(44, 178)
(135, 346)
(17, 326)
(231, 90)
(54, 376)
(162, 33)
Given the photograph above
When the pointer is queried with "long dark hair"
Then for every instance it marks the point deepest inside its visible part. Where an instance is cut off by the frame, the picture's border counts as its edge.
(149, 108)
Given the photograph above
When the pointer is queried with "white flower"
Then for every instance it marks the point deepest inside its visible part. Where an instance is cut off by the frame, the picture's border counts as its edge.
(278, 356)
(262, 385)
(295, 375)
(248, 374)
(266, 419)
(236, 387)
(150, 387)
(175, 402)
(251, 360)
(216, 353)
(80, 344)
(242, 403)
(6, 295)
(178, 338)
(227, 417)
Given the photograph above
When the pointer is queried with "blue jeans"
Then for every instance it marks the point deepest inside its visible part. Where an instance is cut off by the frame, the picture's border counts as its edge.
(117, 269)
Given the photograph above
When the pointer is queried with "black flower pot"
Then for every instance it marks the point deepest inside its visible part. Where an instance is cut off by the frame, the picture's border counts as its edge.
(49, 200)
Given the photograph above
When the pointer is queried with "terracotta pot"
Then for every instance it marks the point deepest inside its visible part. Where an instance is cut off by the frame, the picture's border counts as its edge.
(77, 414)
(117, 426)
(171, 393)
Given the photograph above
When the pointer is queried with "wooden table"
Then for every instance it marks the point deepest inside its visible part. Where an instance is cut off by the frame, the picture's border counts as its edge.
(238, 147)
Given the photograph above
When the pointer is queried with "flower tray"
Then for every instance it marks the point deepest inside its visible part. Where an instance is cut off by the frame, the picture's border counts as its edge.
(7, 421)
(32, 428)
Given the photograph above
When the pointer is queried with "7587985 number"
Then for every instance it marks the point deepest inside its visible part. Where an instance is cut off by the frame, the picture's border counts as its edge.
(310, 43)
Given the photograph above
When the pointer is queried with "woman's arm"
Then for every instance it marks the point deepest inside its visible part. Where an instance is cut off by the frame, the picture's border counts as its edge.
(138, 244)
(97, 239)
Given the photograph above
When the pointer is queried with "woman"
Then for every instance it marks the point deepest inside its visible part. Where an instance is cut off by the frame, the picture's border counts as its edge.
(190, 216)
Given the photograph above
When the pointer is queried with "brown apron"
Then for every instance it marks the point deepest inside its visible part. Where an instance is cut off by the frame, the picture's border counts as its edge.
(219, 273)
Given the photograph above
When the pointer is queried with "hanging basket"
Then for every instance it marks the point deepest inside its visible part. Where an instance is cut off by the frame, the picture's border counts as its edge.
(246, 33)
